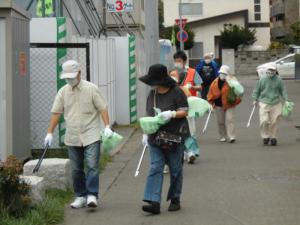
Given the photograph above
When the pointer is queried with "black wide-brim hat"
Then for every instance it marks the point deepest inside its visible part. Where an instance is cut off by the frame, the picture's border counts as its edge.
(158, 76)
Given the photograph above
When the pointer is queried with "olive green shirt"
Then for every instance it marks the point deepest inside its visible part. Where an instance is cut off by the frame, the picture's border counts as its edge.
(81, 107)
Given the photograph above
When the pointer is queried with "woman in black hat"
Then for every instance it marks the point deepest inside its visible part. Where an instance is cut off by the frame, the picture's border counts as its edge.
(167, 145)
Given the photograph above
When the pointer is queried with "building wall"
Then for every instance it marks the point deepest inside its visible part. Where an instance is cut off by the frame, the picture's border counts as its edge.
(263, 37)
(283, 20)
(213, 8)
(247, 61)
(211, 30)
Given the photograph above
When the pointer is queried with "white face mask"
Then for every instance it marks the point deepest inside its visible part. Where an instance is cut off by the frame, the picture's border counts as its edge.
(271, 73)
(222, 76)
(207, 61)
(178, 65)
(72, 81)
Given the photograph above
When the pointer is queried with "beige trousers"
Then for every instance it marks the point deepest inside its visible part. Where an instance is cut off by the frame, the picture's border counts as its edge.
(269, 117)
(226, 122)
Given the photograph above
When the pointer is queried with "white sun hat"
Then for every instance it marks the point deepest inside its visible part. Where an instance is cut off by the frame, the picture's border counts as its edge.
(70, 69)
(272, 66)
(225, 70)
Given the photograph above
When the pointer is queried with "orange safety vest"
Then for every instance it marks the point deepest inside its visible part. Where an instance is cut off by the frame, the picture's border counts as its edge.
(190, 79)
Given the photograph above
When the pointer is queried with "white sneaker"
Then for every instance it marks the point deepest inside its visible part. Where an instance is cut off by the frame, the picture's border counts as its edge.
(166, 169)
(79, 202)
(92, 201)
(191, 158)
(223, 139)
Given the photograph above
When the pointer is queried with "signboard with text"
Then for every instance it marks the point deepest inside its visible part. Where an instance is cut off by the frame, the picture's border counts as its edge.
(119, 5)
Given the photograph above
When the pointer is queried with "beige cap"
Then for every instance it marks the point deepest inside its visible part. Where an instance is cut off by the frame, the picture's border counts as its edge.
(225, 69)
(70, 69)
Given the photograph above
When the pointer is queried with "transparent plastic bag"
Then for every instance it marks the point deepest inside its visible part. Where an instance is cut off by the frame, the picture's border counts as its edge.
(197, 107)
(287, 109)
(109, 143)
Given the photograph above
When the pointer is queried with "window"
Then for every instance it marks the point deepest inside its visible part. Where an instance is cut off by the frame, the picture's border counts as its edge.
(257, 10)
(197, 51)
(190, 9)
(257, 16)
(290, 59)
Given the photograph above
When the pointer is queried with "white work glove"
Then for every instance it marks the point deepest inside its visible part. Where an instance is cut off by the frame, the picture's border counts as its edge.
(108, 132)
(145, 140)
(189, 85)
(167, 115)
(48, 139)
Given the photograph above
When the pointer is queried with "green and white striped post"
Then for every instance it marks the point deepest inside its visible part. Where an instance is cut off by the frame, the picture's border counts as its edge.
(61, 54)
(132, 80)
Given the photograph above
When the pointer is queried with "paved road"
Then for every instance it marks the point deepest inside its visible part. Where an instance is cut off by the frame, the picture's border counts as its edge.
(231, 184)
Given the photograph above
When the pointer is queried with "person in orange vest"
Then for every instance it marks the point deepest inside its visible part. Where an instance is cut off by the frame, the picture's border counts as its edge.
(188, 77)
(191, 83)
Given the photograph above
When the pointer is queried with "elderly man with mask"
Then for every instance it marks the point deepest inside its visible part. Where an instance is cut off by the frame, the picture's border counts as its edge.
(208, 70)
(83, 107)
(269, 94)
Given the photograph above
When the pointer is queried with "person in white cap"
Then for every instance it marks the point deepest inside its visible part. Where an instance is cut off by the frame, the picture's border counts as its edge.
(220, 96)
(83, 108)
(269, 94)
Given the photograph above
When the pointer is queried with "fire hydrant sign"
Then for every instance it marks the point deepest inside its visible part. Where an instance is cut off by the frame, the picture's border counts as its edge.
(119, 5)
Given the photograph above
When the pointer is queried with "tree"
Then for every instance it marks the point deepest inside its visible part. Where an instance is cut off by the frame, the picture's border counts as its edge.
(167, 33)
(234, 36)
(161, 14)
(293, 36)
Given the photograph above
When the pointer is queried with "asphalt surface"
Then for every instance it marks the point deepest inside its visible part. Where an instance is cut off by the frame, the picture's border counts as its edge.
(244, 183)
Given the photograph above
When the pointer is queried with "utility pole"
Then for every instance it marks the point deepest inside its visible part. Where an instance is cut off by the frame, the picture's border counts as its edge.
(43, 8)
(104, 16)
(180, 26)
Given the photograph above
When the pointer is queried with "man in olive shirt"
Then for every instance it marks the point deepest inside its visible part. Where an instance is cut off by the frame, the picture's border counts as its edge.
(82, 105)
(269, 93)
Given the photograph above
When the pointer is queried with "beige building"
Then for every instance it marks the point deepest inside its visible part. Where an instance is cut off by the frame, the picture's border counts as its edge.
(208, 17)
(282, 15)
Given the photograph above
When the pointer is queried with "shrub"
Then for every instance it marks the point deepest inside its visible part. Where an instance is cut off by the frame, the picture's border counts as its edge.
(234, 36)
(14, 192)
(276, 45)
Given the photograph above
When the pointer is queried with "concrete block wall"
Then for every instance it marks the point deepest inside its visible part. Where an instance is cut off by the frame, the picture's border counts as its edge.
(247, 61)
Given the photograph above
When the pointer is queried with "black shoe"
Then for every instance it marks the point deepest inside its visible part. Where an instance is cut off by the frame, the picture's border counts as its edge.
(174, 205)
(266, 141)
(152, 207)
(273, 141)
(232, 141)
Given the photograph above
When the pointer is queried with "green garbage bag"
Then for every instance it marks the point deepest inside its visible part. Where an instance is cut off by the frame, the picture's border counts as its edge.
(197, 106)
(109, 143)
(238, 89)
(150, 125)
(287, 109)
(231, 98)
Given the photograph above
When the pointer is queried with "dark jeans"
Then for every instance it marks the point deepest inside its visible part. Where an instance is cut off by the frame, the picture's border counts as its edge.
(154, 183)
(85, 183)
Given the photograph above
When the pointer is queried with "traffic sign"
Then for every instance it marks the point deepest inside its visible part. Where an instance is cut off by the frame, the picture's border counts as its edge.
(183, 22)
(182, 36)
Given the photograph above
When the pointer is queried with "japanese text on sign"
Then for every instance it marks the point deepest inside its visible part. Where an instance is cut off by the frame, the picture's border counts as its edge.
(119, 5)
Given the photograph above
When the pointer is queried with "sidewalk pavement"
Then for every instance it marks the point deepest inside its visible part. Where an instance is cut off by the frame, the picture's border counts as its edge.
(231, 184)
